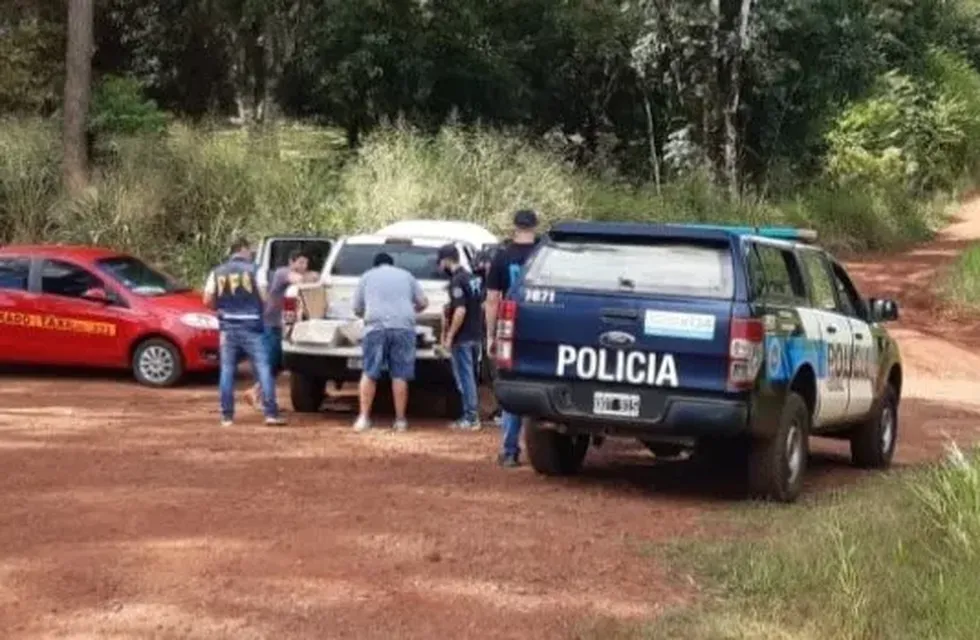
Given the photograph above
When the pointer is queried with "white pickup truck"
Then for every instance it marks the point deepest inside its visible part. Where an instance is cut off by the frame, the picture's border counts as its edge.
(321, 335)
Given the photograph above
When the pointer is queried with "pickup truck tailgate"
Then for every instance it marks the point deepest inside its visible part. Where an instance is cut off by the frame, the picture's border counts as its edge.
(626, 341)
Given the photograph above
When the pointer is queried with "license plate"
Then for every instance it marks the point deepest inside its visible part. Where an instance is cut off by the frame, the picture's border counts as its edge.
(355, 363)
(621, 405)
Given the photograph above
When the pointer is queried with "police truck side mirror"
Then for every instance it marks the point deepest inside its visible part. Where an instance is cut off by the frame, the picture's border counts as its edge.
(883, 309)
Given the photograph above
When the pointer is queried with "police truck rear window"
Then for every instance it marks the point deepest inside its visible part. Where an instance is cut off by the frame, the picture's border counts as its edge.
(682, 269)
(355, 259)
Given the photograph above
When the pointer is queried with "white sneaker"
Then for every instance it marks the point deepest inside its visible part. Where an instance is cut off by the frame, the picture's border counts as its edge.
(362, 424)
(400, 425)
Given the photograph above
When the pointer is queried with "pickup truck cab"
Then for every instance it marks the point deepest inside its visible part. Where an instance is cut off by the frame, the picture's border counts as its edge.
(321, 335)
(737, 342)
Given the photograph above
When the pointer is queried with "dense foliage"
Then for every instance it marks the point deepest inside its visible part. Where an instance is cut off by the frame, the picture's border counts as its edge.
(747, 87)
(853, 116)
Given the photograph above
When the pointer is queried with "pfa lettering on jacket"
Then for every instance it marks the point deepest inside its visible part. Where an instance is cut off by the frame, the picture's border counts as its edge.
(633, 367)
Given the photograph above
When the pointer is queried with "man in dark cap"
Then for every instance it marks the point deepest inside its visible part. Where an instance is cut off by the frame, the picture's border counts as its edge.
(462, 333)
(504, 271)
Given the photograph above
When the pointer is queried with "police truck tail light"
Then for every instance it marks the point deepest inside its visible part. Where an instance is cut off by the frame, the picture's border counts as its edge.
(504, 353)
(745, 353)
(289, 305)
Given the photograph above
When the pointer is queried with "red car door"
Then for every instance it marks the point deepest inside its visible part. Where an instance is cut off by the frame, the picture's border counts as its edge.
(18, 339)
(79, 330)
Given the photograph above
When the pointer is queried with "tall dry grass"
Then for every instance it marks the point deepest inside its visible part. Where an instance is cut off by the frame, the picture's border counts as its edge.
(179, 197)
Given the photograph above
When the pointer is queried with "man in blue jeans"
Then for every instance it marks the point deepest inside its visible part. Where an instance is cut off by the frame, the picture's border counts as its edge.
(504, 270)
(232, 289)
(388, 298)
(462, 333)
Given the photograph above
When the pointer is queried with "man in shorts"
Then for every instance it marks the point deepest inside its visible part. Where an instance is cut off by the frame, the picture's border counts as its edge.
(295, 272)
(388, 299)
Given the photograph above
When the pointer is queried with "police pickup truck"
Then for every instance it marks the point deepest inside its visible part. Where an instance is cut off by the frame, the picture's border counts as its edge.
(736, 342)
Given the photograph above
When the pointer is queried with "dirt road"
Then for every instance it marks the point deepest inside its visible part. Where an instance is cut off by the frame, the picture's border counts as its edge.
(127, 513)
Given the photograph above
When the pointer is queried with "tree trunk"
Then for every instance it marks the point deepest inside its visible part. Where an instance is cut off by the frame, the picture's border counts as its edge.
(714, 94)
(78, 89)
(652, 139)
(353, 131)
(733, 102)
(271, 72)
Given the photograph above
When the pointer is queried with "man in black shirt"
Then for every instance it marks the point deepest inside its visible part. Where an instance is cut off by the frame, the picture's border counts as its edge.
(504, 270)
(461, 336)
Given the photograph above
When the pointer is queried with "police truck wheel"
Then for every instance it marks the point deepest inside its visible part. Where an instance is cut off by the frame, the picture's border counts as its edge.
(873, 442)
(157, 363)
(306, 392)
(552, 453)
(777, 464)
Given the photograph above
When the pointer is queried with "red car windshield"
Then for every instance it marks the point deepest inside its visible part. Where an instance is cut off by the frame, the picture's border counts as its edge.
(139, 277)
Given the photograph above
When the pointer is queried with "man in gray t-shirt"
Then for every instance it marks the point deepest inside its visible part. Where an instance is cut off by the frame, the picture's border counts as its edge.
(387, 298)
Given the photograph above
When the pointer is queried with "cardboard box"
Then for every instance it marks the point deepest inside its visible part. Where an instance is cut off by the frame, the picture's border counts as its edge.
(315, 301)
(352, 333)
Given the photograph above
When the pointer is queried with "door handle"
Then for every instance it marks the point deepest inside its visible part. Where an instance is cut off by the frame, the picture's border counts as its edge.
(619, 314)
(831, 328)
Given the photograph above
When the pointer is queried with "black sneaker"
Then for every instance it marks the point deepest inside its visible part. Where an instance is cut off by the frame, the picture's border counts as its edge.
(508, 462)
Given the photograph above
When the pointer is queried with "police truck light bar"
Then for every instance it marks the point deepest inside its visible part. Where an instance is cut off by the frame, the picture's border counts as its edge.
(791, 234)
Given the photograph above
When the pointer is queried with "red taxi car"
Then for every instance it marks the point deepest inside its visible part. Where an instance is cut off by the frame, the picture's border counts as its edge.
(86, 306)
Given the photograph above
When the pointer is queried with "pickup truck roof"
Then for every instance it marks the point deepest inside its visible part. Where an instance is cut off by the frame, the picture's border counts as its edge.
(447, 230)
(397, 239)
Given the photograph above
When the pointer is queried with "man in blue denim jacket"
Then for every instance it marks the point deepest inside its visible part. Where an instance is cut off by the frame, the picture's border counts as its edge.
(232, 289)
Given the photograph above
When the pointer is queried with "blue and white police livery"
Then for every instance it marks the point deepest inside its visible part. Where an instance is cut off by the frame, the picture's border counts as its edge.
(735, 341)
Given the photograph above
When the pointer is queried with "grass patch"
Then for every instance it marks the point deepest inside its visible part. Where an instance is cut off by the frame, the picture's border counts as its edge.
(897, 558)
(964, 279)
(177, 197)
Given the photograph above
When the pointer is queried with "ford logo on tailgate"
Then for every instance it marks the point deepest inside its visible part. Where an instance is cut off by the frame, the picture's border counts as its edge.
(616, 339)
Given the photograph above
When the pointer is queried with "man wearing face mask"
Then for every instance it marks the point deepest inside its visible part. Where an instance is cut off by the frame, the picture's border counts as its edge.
(462, 333)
